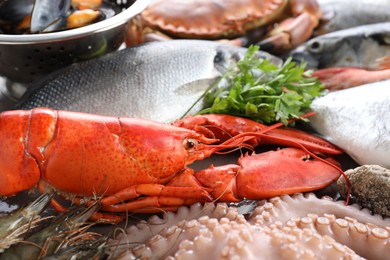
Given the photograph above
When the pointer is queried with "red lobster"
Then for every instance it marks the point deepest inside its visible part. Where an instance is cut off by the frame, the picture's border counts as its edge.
(140, 165)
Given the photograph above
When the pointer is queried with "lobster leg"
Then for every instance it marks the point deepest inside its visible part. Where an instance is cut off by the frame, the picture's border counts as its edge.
(257, 176)
(43, 187)
(97, 216)
(181, 190)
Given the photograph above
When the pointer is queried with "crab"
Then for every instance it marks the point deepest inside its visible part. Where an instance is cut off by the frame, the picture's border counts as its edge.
(276, 25)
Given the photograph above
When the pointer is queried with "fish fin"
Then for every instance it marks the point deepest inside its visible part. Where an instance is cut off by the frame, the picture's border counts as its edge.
(197, 86)
(383, 63)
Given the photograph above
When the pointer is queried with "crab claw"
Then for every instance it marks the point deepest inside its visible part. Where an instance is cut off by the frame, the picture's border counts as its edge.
(269, 174)
(289, 34)
(293, 31)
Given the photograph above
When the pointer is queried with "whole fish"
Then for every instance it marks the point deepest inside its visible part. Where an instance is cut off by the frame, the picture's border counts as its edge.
(343, 14)
(363, 46)
(358, 121)
(158, 81)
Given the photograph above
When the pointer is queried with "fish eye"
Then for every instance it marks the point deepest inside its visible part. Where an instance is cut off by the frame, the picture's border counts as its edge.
(219, 57)
(386, 39)
(315, 47)
(188, 143)
(382, 39)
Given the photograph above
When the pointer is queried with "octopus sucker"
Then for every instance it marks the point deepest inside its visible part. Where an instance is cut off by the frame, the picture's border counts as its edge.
(298, 226)
(367, 241)
(245, 241)
(144, 230)
(370, 185)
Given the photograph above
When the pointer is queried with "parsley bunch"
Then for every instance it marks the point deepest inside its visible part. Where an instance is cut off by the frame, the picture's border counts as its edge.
(257, 89)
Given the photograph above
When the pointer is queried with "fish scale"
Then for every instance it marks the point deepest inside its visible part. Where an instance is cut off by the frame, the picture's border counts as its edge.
(157, 81)
(339, 15)
(358, 121)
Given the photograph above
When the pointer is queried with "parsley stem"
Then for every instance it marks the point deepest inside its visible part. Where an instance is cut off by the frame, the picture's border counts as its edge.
(264, 96)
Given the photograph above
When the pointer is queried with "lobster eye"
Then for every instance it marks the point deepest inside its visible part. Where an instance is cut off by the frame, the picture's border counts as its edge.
(188, 144)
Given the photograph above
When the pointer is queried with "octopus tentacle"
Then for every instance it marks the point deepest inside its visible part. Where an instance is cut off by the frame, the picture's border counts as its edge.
(299, 226)
(286, 207)
(367, 240)
(144, 230)
(241, 240)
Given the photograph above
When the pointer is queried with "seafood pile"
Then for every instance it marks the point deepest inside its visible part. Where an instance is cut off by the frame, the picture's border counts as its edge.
(133, 142)
(33, 16)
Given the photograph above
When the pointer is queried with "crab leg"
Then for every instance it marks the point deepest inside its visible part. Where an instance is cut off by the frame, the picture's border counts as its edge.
(293, 31)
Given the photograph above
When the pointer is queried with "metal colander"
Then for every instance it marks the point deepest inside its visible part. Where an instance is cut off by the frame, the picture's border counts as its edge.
(24, 58)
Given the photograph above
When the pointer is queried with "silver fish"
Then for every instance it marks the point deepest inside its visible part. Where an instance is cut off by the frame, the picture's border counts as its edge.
(157, 81)
(343, 14)
(362, 46)
(358, 121)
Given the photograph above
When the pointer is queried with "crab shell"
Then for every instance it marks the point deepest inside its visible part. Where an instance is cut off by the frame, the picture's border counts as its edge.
(210, 19)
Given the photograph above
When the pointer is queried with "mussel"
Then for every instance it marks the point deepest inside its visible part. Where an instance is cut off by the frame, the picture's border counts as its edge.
(49, 15)
(42, 16)
(12, 13)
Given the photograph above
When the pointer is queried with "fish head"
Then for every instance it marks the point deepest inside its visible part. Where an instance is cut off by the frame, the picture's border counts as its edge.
(321, 52)
(226, 56)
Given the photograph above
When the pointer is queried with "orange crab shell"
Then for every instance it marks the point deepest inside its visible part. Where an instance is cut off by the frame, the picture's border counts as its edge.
(210, 19)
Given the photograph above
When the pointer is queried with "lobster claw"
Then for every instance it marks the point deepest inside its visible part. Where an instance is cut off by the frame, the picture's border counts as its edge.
(223, 127)
(269, 174)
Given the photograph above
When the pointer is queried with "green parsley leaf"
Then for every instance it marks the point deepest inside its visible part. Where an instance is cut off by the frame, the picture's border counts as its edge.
(257, 89)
